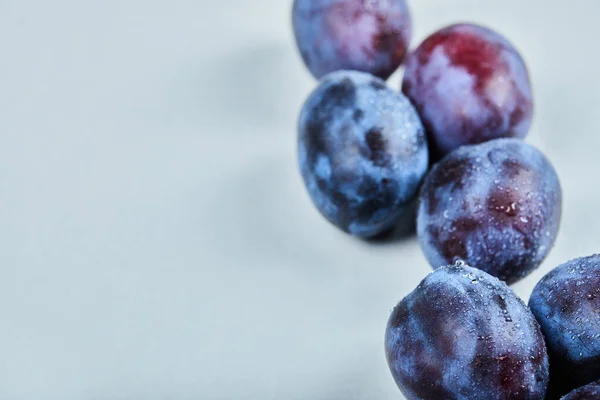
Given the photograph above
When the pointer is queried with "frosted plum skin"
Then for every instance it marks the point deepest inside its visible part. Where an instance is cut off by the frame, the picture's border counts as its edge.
(588, 392)
(495, 205)
(362, 152)
(566, 303)
(369, 36)
(469, 85)
(463, 334)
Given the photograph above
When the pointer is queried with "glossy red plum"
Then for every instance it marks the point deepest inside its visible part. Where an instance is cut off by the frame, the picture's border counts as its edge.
(469, 85)
(363, 35)
(464, 335)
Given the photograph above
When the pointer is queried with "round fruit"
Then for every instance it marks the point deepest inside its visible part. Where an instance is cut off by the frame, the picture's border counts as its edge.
(469, 85)
(463, 334)
(364, 35)
(589, 392)
(362, 152)
(566, 303)
(495, 205)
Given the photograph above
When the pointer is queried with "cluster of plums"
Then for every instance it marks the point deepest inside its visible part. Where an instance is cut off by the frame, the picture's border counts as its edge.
(488, 204)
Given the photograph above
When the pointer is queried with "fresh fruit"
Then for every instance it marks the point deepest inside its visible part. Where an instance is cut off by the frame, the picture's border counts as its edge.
(463, 334)
(566, 303)
(589, 392)
(469, 85)
(362, 152)
(364, 35)
(495, 205)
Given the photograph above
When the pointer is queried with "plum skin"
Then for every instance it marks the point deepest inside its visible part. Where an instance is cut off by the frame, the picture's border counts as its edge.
(495, 205)
(566, 304)
(369, 36)
(470, 85)
(463, 334)
(362, 152)
(588, 392)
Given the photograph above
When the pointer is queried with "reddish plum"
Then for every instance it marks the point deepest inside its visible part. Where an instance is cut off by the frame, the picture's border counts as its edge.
(469, 85)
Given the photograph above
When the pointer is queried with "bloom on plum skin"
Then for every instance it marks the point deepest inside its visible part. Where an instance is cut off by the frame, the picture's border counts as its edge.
(588, 392)
(495, 205)
(369, 36)
(463, 334)
(469, 85)
(566, 304)
(362, 152)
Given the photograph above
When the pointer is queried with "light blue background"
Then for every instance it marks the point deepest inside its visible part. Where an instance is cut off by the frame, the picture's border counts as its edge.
(156, 241)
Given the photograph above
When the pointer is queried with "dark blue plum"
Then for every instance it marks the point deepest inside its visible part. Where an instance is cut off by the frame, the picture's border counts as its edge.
(470, 85)
(566, 303)
(464, 335)
(362, 152)
(495, 205)
(589, 392)
(364, 35)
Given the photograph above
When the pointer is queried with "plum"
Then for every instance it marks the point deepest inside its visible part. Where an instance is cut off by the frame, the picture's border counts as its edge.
(362, 152)
(363, 35)
(463, 334)
(588, 392)
(566, 303)
(469, 85)
(495, 205)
